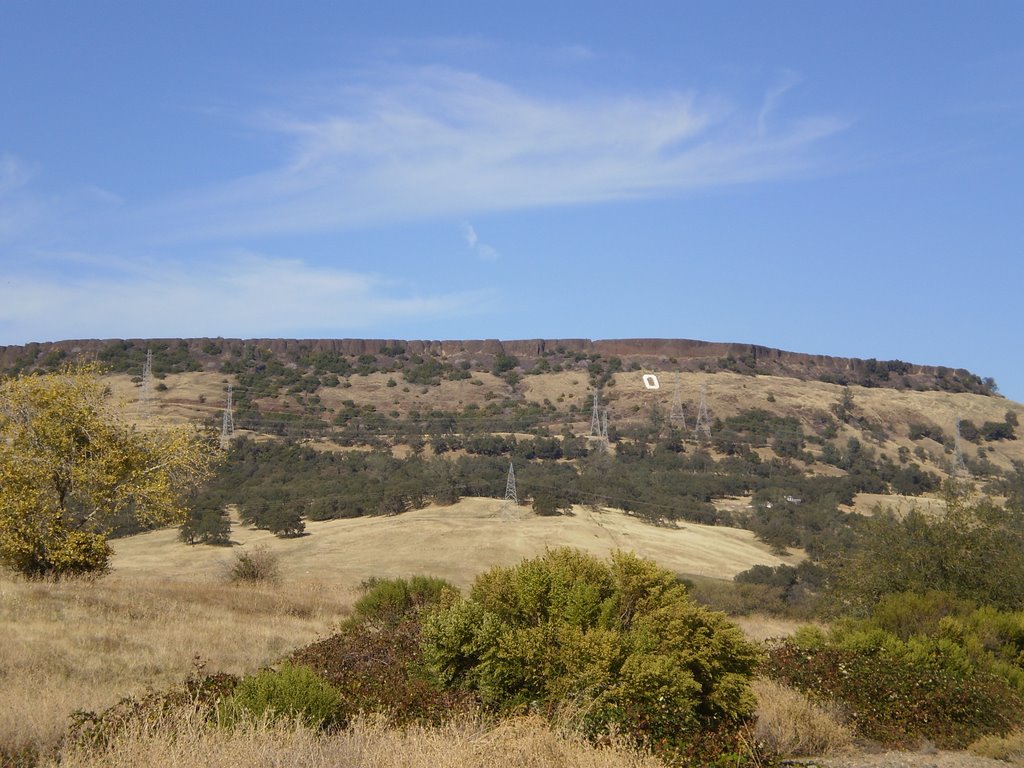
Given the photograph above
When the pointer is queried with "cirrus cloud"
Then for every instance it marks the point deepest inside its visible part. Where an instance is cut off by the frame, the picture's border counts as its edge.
(434, 141)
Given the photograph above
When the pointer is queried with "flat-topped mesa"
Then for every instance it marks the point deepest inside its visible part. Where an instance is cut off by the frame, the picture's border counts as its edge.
(648, 354)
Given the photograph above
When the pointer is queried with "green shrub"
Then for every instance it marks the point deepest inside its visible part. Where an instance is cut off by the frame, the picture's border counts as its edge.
(619, 641)
(387, 601)
(292, 692)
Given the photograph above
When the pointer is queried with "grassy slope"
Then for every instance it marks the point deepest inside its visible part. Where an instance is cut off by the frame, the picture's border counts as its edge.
(455, 542)
(81, 644)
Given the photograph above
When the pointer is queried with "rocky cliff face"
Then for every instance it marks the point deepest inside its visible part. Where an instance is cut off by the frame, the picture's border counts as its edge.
(654, 354)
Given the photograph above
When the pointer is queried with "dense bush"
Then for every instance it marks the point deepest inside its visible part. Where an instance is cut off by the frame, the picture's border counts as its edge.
(206, 525)
(389, 601)
(900, 697)
(620, 642)
(376, 660)
(974, 551)
(290, 692)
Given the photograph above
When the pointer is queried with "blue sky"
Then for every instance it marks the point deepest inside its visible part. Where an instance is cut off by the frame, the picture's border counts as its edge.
(838, 178)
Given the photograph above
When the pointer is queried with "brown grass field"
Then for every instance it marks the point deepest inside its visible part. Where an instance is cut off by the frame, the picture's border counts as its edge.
(84, 644)
(455, 542)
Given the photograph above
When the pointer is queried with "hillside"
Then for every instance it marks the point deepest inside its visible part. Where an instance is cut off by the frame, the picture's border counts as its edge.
(456, 542)
(779, 425)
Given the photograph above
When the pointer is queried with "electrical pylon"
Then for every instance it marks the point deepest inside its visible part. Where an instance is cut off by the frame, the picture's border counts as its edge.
(595, 417)
(703, 424)
(604, 425)
(146, 395)
(677, 416)
(227, 429)
(510, 507)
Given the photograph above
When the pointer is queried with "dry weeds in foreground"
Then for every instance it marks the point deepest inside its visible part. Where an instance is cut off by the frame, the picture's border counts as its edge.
(182, 742)
(71, 645)
(791, 724)
(1009, 748)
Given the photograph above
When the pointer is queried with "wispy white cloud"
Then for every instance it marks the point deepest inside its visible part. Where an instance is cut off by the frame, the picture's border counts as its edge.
(433, 141)
(483, 251)
(773, 98)
(242, 295)
(18, 210)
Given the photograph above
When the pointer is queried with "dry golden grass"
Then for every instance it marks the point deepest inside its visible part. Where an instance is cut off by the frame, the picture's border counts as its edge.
(456, 542)
(1009, 748)
(793, 725)
(182, 742)
(72, 645)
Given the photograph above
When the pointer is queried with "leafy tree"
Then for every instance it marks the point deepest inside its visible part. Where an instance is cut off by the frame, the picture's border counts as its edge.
(284, 522)
(70, 465)
(206, 526)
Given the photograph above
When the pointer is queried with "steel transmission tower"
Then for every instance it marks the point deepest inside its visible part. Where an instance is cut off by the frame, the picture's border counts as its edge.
(677, 416)
(510, 507)
(227, 429)
(703, 424)
(595, 417)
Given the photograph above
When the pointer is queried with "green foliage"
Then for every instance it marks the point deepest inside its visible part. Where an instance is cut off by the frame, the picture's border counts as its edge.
(388, 601)
(291, 692)
(503, 364)
(788, 590)
(206, 525)
(982, 640)
(918, 431)
(620, 639)
(547, 503)
(998, 430)
(900, 693)
(975, 551)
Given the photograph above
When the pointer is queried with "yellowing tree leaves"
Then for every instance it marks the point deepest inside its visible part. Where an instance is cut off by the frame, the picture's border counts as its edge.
(70, 464)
